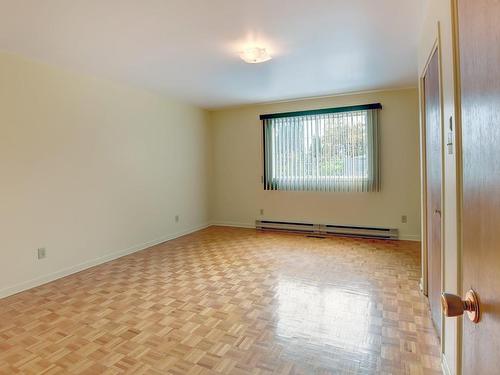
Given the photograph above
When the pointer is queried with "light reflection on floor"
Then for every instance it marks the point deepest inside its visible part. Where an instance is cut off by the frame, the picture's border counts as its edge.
(326, 325)
(325, 313)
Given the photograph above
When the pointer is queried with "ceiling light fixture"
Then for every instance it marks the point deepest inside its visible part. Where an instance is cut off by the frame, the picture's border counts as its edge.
(255, 55)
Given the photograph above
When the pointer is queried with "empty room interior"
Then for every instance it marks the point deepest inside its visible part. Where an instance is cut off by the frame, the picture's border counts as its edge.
(264, 187)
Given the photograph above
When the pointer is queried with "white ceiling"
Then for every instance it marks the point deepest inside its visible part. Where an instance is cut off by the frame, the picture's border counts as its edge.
(189, 48)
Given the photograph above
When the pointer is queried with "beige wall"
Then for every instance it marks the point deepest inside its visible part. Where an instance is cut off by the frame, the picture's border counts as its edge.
(439, 11)
(91, 170)
(237, 193)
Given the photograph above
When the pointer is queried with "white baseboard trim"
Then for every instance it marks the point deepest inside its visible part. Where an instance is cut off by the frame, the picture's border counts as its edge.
(17, 288)
(444, 365)
(410, 237)
(232, 224)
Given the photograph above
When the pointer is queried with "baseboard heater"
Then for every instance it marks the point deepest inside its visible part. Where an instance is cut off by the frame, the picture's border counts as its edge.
(325, 229)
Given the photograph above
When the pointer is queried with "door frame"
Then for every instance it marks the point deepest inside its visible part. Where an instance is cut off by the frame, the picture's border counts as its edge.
(459, 171)
(423, 170)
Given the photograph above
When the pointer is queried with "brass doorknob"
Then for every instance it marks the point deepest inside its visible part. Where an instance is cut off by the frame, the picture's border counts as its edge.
(453, 305)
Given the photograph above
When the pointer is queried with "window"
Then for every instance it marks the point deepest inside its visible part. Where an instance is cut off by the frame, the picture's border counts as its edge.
(325, 150)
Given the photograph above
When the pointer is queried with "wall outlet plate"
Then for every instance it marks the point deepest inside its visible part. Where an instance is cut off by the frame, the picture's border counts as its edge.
(404, 219)
(41, 253)
(176, 218)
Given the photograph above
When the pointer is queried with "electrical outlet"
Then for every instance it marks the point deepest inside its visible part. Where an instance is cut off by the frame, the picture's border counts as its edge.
(404, 219)
(261, 212)
(41, 253)
(176, 218)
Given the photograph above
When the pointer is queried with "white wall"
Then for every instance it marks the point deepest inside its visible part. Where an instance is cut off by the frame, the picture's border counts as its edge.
(439, 11)
(238, 195)
(90, 170)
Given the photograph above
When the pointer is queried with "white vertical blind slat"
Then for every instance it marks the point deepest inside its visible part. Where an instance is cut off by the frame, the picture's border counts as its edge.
(335, 152)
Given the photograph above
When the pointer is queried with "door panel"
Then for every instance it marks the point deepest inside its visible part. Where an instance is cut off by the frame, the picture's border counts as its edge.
(479, 43)
(433, 174)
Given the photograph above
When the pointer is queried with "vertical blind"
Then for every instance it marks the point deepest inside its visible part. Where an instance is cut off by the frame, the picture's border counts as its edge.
(335, 152)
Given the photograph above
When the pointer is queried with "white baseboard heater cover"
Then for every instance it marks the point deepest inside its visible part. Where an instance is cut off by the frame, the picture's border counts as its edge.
(324, 229)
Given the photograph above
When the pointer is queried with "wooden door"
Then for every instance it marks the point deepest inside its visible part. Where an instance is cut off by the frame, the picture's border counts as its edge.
(479, 46)
(433, 176)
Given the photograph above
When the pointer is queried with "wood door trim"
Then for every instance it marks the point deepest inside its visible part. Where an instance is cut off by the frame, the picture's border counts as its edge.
(423, 185)
(425, 266)
(459, 172)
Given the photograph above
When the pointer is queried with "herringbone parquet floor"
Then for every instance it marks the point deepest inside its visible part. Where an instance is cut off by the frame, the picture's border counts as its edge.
(229, 301)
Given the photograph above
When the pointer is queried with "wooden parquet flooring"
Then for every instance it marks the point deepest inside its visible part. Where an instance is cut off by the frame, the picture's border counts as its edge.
(229, 301)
